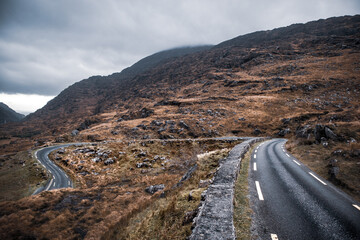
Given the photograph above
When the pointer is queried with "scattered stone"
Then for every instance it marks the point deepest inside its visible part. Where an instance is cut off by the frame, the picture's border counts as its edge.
(109, 161)
(135, 129)
(283, 132)
(156, 123)
(75, 132)
(257, 132)
(334, 168)
(303, 131)
(204, 183)
(61, 151)
(114, 132)
(142, 126)
(142, 165)
(330, 134)
(145, 112)
(154, 188)
(142, 154)
(182, 124)
(189, 216)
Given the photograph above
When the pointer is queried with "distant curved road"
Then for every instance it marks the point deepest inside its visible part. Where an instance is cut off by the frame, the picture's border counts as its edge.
(59, 179)
(291, 202)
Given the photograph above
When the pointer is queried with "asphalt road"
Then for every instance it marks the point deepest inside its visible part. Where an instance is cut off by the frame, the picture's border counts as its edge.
(292, 202)
(59, 179)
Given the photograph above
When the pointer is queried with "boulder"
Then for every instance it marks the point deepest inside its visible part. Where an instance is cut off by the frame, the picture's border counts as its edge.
(75, 132)
(256, 132)
(182, 124)
(204, 183)
(142, 165)
(319, 132)
(145, 112)
(283, 132)
(154, 188)
(303, 131)
(96, 159)
(330, 134)
(109, 161)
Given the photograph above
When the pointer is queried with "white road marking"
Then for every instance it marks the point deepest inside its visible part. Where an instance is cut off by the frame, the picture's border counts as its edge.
(296, 162)
(54, 177)
(283, 150)
(255, 169)
(256, 150)
(69, 183)
(274, 236)
(54, 184)
(254, 155)
(356, 206)
(317, 178)
(49, 185)
(288, 155)
(261, 197)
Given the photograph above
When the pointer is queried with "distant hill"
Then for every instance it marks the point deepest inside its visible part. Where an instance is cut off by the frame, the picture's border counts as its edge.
(315, 61)
(87, 97)
(9, 115)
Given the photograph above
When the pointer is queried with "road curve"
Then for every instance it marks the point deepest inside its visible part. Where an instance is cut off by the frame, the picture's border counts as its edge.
(59, 179)
(292, 202)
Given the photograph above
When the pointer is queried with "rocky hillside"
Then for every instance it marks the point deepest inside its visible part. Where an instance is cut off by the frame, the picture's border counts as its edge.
(88, 97)
(9, 115)
(300, 82)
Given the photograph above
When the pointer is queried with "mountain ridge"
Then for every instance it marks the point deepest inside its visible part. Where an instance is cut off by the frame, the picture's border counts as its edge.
(9, 115)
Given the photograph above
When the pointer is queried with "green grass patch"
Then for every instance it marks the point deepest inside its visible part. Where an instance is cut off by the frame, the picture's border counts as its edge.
(242, 210)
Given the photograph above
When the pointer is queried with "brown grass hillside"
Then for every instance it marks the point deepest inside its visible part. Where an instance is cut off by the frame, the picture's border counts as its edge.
(300, 82)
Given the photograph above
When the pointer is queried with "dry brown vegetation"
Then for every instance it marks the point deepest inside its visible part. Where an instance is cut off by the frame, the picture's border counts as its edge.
(20, 175)
(105, 203)
(273, 83)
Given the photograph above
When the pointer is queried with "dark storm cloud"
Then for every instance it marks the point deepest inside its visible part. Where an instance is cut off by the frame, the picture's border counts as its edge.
(47, 45)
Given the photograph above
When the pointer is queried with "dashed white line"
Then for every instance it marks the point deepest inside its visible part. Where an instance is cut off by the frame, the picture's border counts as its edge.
(254, 155)
(356, 206)
(255, 169)
(54, 177)
(283, 150)
(69, 183)
(54, 184)
(261, 197)
(296, 162)
(256, 150)
(317, 178)
(274, 236)
(49, 185)
(288, 155)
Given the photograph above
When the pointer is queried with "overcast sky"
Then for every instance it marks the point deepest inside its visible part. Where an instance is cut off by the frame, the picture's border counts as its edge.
(45, 45)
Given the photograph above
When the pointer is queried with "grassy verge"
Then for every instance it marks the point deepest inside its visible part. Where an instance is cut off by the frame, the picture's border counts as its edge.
(242, 210)
(20, 175)
(171, 217)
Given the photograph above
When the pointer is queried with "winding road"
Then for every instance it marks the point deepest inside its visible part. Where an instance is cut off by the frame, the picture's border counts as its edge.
(59, 179)
(292, 202)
